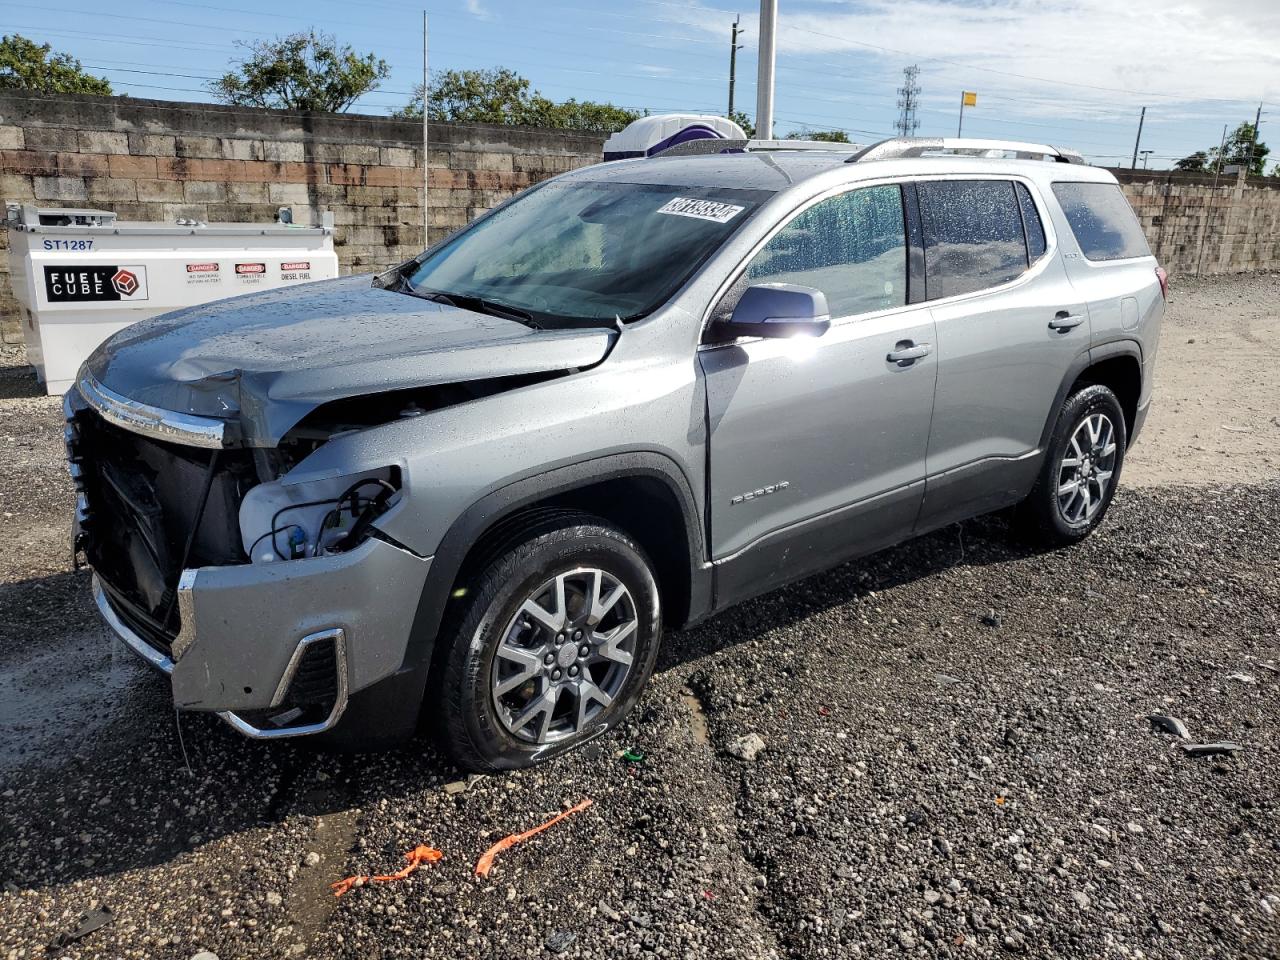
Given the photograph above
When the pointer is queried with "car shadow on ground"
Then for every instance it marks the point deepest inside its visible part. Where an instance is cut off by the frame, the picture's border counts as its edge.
(145, 785)
(978, 542)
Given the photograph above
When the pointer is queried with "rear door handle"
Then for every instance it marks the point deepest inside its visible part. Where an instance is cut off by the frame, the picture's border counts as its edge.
(907, 352)
(1065, 321)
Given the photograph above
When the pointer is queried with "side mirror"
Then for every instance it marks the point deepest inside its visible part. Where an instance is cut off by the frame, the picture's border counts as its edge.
(779, 310)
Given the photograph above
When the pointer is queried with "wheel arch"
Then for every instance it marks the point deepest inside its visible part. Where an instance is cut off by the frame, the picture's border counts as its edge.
(1117, 366)
(644, 494)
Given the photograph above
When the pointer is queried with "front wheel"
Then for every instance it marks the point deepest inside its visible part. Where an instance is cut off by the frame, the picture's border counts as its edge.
(556, 642)
(1080, 472)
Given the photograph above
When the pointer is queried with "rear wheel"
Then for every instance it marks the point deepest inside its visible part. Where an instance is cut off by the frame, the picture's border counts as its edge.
(557, 640)
(1080, 472)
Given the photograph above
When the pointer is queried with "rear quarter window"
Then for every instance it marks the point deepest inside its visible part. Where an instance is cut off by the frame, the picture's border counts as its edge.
(1102, 221)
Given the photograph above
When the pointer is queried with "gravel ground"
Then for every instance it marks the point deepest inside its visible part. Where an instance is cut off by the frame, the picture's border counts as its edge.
(1217, 412)
(957, 758)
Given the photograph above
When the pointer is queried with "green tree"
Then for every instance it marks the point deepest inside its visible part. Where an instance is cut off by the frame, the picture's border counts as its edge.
(826, 136)
(497, 95)
(26, 65)
(1193, 163)
(303, 71)
(742, 120)
(501, 96)
(579, 115)
(1242, 146)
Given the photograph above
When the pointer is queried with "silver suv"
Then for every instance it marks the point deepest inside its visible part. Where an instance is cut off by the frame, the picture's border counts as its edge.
(480, 486)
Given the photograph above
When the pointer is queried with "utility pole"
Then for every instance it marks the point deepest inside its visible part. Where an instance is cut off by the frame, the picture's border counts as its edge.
(1257, 121)
(908, 101)
(426, 141)
(764, 80)
(1204, 222)
(1217, 167)
(1137, 143)
(734, 47)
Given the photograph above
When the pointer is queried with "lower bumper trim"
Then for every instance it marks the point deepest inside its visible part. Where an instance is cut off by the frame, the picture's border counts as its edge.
(337, 636)
(150, 654)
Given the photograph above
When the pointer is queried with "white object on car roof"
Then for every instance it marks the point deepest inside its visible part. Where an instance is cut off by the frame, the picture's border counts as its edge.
(649, 136)
(80, 275)
(687, 134)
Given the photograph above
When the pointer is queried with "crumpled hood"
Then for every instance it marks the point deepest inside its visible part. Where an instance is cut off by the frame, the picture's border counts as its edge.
(267, 359)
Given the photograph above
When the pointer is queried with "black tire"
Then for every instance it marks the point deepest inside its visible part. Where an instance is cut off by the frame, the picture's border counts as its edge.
(1040, 518)
(473, 730)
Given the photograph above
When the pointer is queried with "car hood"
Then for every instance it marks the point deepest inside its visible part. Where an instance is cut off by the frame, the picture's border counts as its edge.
(267, 359)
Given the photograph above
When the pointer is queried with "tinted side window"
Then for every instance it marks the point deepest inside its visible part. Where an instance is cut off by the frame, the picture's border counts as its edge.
(852, 247)
(972, 235)
(1031, 221)
(1102, 220)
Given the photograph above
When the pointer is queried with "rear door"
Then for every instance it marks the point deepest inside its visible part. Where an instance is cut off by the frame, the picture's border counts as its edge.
(1009, 326)
(817, 445)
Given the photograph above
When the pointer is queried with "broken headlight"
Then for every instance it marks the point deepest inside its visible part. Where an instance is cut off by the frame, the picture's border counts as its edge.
(293, 521)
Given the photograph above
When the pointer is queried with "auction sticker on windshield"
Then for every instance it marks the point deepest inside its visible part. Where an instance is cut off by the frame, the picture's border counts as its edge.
(701, 209)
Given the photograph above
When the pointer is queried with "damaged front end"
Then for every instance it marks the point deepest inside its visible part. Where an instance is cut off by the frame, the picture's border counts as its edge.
(245, 589)
(262, 582)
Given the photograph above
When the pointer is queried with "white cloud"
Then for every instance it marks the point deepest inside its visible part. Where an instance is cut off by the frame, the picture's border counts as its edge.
(1171, 57)
(478, 9)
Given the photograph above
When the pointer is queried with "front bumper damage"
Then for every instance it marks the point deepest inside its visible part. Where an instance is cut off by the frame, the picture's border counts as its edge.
(247, 631)
(275, 648)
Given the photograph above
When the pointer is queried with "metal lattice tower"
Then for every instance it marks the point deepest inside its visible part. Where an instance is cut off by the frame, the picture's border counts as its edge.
(908, 101)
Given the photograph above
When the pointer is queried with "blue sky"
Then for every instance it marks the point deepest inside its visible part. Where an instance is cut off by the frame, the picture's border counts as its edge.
(1073, 73)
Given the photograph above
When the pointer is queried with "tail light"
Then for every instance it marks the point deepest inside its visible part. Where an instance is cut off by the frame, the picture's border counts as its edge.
(1163, 277)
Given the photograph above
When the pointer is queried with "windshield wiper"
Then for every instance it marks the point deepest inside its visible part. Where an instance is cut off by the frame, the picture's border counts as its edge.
(479, 304)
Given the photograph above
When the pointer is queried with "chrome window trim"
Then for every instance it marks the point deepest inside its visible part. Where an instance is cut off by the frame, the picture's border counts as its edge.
(1052, 248)
(149, 421)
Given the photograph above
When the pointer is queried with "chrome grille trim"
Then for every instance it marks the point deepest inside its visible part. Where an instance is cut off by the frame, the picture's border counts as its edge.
(149, 421)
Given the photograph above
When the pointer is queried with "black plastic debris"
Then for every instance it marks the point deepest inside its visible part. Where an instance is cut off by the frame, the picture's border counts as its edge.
(90, 920)
(1209, 749)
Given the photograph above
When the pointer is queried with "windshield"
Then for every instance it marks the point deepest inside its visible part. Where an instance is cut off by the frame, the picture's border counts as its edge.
(584, 252)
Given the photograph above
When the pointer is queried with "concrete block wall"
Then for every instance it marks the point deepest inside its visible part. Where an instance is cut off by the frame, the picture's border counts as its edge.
(160, 160)
(1232, 226)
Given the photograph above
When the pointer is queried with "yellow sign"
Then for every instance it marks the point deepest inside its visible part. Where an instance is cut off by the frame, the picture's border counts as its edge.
(970, 99)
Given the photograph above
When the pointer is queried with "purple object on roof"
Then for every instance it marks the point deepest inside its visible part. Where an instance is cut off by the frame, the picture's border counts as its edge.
(650, 136)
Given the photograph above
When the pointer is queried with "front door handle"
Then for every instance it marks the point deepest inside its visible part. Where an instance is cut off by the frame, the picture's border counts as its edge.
(1063, 320)
(907, 352)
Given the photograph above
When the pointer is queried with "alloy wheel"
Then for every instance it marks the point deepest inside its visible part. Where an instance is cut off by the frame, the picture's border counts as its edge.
(564, 656)
(1086, 469)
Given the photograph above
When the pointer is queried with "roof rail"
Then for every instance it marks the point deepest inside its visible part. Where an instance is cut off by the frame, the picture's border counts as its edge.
(759, 146)
(925, 146)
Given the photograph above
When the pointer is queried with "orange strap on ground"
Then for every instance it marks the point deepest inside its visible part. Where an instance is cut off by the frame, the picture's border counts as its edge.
(485, 863)
(416, 857)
